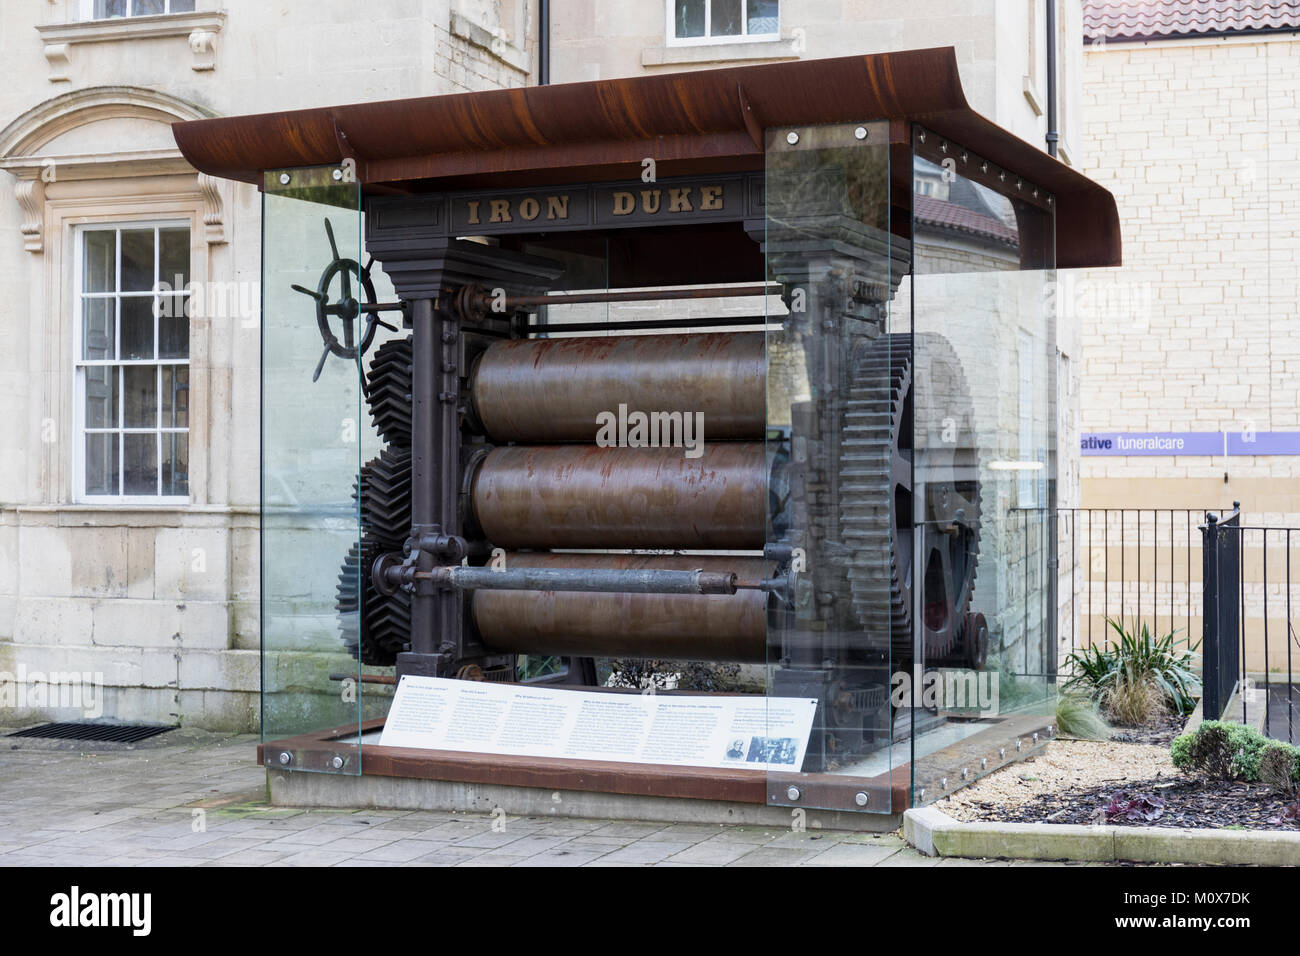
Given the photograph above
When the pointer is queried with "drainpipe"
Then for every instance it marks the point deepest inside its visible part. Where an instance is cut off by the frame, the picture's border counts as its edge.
(1053, 135)
(543, 42)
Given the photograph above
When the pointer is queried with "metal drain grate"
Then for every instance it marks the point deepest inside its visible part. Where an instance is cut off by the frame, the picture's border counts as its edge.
(117, 733)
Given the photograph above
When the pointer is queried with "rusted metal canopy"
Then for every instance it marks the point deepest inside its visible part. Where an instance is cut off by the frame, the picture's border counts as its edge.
(694, 122)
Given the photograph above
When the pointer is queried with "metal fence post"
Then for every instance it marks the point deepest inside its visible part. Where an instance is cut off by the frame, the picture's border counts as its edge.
(1211, 705)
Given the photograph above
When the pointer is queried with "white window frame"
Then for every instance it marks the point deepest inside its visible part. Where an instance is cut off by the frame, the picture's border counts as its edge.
(708, 40)
(79, 364)
(87, 12)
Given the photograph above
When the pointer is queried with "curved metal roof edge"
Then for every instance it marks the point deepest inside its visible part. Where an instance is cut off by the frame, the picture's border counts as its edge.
(706, 116)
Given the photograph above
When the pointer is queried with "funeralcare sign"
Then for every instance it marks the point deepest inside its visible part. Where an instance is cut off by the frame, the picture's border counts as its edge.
(604, 205)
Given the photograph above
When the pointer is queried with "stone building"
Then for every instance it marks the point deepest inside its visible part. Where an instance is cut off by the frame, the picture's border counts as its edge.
(129, 456)
(1191, 119)
(129, 479)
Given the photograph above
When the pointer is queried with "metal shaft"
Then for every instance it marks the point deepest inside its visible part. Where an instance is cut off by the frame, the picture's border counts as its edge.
(591, 580)
(697, 627)
(583, 496)
(634, 295)
(550, 390)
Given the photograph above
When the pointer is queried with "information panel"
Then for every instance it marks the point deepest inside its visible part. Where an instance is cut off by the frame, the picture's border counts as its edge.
(759, 733)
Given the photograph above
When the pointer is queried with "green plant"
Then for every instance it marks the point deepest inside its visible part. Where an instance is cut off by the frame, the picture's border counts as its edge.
(1279, 768)
(1078, 716)
(1138, 675)
(1221, 751)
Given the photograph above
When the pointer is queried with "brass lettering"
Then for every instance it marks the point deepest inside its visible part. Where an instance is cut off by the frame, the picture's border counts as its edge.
(557, 207)
(623, 203)
(472, 206)
(529, 208)
(500, 210)
(650, 200)
(710, 197)
(679, 200)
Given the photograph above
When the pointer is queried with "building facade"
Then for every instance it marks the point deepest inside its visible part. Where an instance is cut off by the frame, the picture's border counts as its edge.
(1191, 119)
(129, 470)
(129, 480)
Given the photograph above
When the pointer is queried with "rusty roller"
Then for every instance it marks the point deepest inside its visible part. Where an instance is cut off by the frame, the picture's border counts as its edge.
(696, 627)
(552, 390)
(585, 496)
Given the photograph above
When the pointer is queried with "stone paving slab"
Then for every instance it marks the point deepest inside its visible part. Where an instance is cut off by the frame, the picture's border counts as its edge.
(194, 799)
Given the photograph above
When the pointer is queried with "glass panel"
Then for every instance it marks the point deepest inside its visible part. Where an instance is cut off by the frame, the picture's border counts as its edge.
(175, 396)
(97, 320)
(137, 327)
(985, 484)
(101, 396)
(148, 8)
(140, 464)
(173, 326)
(101, 464)
(310, 462)
(763, 17)
(725, 18)
(140, 396)
(137, 260)
(175, 464)
(688, 18)
(182, 6)
(100, 250)
(174, 258)
(838, 444)
(109, 8)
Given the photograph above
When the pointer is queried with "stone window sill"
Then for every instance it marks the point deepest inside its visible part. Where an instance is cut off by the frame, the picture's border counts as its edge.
(200, 29)
(719, 53)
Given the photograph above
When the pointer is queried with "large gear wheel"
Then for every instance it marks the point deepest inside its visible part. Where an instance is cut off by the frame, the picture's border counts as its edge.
(374, 627)
(383, 491)
(907, 428)
(389, 395)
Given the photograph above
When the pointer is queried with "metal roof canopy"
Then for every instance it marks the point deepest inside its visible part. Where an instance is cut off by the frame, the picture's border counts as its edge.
(696, 122)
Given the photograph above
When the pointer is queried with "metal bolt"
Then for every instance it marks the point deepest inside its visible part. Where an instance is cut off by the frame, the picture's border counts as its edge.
(861, 798)
(1051, 730)
(921, 135)
(860, 132)
(1002, 176)
(286, 758)
(1002, 752)
(1018, 743)
(1049, 200)
(965, 774)
(1035, 736)
(984, 763)
(920, 794)
(792, 137)
(943, 782)
(1035, 193)
(943, 146)
(984, 167)
(284, 179)
(792, 793)
(337, 174)
(337, 762)
(1020, 184)
(965, 157)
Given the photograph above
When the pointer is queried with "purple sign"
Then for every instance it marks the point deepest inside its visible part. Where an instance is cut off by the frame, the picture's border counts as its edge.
(1263, 443)
(1216, 444)
(1151, 443)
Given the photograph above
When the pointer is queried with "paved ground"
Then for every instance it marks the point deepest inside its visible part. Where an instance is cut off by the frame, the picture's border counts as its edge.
(190, 799)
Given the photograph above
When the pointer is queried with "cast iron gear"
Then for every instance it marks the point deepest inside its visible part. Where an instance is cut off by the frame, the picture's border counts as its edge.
(374, 627)
(389, 395)
(384, 492)
(908, 420)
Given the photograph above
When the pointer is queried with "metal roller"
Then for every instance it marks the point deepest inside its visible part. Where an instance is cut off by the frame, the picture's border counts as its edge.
(584, 496)
(693, 627)
(551, 390)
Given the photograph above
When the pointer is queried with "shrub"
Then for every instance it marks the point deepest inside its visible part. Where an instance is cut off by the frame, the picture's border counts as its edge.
(1136, 677)
(1279, 768)
(1077, 716)
(1221, 751)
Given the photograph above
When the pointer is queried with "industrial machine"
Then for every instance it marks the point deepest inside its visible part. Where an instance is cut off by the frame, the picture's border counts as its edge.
(685, 368)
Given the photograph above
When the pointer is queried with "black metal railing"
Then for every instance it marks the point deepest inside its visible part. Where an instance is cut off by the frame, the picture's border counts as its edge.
(1222, 607)
(1129, 565)
(1249, 600)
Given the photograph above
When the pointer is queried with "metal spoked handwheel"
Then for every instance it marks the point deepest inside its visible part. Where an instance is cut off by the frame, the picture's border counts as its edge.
(346, 307)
